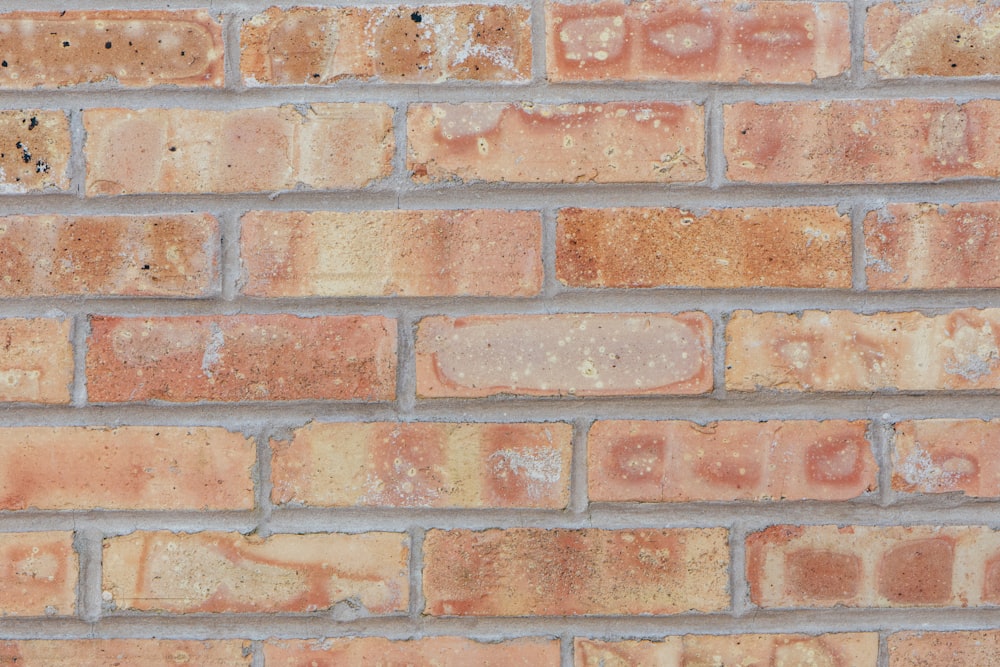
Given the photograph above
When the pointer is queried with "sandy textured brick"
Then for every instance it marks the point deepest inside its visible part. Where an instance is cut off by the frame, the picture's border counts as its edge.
(436, 651)
(424, 465)
(407, 44)
(241, 358)
(940, 649)
(131, 467)
(845, 351)
(535, 572)
(666, 461)
(153, 255)
(946, 455)
(229, 572)
(758, 42)
(933, 246)
(670, 247)
(553, 355)
(38, 574)
(133, 48)
(131, 652)
(36, 360)
(936, 38)
(323, 146)
(615, 142)
(381, 253)
(861, 141)
(36, 151)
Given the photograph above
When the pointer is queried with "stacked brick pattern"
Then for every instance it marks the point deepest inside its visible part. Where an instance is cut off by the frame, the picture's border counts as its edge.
(539, 333)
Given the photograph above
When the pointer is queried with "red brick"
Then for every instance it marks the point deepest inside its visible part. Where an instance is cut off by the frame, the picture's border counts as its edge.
(36, 360)
(534, 572)
(404, 253)
(131, 652)
(432, 651)
(241, 358)
(37, 150)
(551, 355)
(947, 455)
(424, 465)
(38, 574)
(670, 247)
(927, 649)
(616, 142)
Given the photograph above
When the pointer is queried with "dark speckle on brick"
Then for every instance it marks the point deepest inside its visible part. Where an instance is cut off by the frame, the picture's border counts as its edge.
(417, 18)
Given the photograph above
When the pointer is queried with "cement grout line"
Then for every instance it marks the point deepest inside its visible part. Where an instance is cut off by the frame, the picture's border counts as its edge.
(538, 42)
(715, 157)
(406, 371)
(859, 255)
(89, 547)
(566, 650)
(551, 287)
(263, 507)
(229, 256)
(231, 40)
(579, 493)
(257, 647)
(881, 438)
(76, 168)
(738, 588)
(883, 649)
(78, 343)
(416, 566)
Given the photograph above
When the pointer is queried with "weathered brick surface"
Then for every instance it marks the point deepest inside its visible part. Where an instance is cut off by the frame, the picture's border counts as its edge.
(946, 455)
(36, 360)
(923, 649)
(436, 651)
(38, 574)
(137, 652)
(36, 151)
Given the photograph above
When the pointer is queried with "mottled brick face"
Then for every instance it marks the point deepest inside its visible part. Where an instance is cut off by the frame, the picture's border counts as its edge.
(36, 361)
(36, 151)
(947, 455)
(138, 652)
(38, 574)
(437, 651)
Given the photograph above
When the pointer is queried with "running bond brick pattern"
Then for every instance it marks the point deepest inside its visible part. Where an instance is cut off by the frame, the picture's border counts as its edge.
(556, 333)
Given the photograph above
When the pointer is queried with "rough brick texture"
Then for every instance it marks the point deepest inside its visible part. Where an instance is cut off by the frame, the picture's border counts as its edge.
(946, 455)
(36, 361)
(916, 649)
(38, 573)
(437, 651)
(36, 151)
(138, 652)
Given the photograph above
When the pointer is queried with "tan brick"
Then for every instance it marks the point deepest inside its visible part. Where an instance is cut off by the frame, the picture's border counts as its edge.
(38, 574)
(946, 455)
(327, 146)
(241, 358)
(36, 151)
(616, 142)
(535, 572)
(436, 651)
(424, 465)
(670, 247)
(407, 44)
(927, 649)
(933, 246)
(845, 351)
(404, 253)
(131, 652)
(575, 354)
(36, 360)
(156, 255)
(131, 467)
(759, 42)
(229, 572)
(667, 461)
(861, 141)
(936, 38)
(133, 48)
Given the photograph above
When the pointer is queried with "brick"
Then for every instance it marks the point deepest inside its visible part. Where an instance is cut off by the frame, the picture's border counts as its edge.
(36, 361)
(156, 255)
(759, 42)
(874, 566)
(947, 455)
(133, 49)
(424, 465)
(670, 247)
(679, 461)
(228, 572)
(937, 38)
(650, 142)
(933, 246)
(845, 351)
(38, 574)
(861, 141)
(241, 358)
(436, 651)
(132, 652)
(327, 146)
(400, 253)
(535, 572)
(924, 649)
(408, 44)
(131, 467)
(36, 151)
(554, 355)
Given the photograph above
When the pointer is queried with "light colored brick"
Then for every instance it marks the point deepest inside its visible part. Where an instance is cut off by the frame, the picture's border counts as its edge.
(551, 355)
(535, 572)
(36, 360)
(436, 651)
(940, 649)
(404, 253)
(615, 142)
(38, 574)
(670, 247)
(36, 150)
(131, 652)
(229, 572)
(947, 455)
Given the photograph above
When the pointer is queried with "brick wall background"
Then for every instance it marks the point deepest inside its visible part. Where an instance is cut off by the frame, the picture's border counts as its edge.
(544, 334)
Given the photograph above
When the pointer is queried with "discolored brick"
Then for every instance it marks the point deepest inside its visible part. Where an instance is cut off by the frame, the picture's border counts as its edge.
(36, 151)
(946, 455)
(36, 360)
(923, 649)
(38, 574)
(132, 652)
(436, 651)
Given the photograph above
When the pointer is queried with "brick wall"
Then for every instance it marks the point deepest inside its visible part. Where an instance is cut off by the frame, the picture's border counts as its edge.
(529, 333)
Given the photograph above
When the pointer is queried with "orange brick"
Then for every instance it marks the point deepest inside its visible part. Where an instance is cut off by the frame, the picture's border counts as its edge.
(436, 651)
(937, 38)
(36, 151)
(578, 354)
(229, 572)
(929, 246)
(946, 455)
(241, 358)
(923, 649)
(670, 247)
(131, 467)
(248, 150)
(36, 360)
(535, 572)
(861, 141)
(161, 255)
(131, 652)
(38, 574)
(405, 253)
(758, 42)
(424, 465)
(665, 461)
(845, 351)
(411, 44)
(651, 142)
